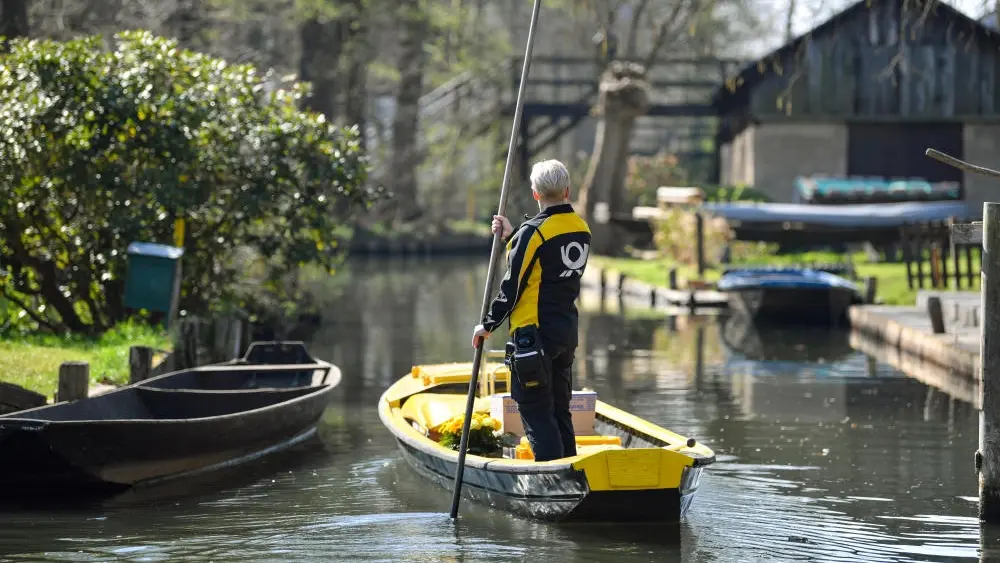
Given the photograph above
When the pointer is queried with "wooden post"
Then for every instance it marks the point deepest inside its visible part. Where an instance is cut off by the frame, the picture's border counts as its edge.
(871, 289)
(699, 227)
(74, 381)
(989, 356)
(936, 314)
(140, 363)
(988, 456)
(604, 282)
(953, 250)
(672, 278)
(935, 266)
(187, 343)
(652, 296)
(226, 339)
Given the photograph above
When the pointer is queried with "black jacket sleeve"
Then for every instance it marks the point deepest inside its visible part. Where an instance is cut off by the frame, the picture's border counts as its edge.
(518, 259)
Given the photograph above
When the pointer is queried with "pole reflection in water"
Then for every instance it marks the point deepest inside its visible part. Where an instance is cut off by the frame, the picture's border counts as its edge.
(823, 454)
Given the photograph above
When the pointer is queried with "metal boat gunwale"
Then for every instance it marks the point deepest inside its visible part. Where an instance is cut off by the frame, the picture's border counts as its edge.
(783, 278)
(331, 380)
(319, 389)
(423, 443)
(582, 488)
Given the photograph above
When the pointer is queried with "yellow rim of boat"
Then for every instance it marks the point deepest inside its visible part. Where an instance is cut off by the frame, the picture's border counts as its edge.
(605, 468)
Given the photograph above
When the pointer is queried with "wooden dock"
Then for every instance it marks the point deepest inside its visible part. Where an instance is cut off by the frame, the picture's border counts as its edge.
(612, 284)
(903, 337)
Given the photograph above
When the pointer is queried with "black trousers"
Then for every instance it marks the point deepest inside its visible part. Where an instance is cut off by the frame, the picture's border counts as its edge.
(545, 411)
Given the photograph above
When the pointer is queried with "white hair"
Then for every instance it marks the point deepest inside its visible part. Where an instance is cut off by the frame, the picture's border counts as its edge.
(550, 179)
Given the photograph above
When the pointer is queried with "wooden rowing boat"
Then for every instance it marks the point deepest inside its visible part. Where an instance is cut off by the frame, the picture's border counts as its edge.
(176, 424)
(789, 295)
(626, 469)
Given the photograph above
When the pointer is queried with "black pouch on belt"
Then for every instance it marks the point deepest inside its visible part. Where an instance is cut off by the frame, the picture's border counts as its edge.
(530, 363)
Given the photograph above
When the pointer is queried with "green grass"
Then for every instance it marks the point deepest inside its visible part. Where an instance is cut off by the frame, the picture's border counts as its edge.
(32, 361)
(892, 285)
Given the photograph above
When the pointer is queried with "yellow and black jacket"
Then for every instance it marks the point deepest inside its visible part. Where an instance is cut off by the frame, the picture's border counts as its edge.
(546, 257)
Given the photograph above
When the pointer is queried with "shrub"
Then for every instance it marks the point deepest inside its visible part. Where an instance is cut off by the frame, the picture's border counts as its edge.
(103, 146)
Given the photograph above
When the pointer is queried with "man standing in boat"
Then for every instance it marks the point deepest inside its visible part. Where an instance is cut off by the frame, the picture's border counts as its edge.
(546, 257)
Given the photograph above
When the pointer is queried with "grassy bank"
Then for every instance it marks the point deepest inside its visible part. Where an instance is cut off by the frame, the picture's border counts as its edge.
(893, 288)
(32, 361)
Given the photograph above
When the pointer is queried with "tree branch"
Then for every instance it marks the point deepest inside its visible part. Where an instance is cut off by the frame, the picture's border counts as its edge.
(664, 31)
(632, 48)
(24, 307)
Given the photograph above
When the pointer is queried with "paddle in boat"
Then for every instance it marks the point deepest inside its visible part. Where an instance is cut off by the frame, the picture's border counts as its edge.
(789, 295)
(626, 469)
(175, 424)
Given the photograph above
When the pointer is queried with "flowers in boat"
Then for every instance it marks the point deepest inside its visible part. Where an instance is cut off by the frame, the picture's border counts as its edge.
(484, 434)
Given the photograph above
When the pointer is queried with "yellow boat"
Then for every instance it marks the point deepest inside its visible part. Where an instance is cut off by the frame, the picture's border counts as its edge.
(626, 469)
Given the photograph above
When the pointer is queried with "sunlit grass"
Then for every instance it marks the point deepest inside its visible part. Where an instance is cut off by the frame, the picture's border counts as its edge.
(32, 361)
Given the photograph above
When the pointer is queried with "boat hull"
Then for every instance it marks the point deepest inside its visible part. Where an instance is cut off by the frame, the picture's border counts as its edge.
(790, 305)
(140, 435)
(626, 469)
(561, 495)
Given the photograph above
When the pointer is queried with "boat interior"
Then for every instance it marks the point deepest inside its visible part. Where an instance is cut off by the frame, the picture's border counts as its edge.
(265, 365)
(434, 394)
(141, 403)
(215, 379)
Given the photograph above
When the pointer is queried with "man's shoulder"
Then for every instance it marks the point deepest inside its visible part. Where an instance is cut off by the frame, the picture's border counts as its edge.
(531, 224)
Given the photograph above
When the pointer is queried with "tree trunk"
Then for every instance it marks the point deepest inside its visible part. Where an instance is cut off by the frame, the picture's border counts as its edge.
(624, 96)
(321, 49)
(357, 55)
(406, 157)
(13, 20)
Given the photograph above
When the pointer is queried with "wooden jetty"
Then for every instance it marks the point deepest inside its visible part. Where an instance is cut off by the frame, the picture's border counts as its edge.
(910, 331)
(610, 283)
(905, 338)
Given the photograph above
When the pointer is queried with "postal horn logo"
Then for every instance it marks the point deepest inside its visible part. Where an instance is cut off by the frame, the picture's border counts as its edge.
(574, 257)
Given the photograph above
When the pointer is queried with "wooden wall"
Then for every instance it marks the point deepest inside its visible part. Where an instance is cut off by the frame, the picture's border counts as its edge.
(914, 63)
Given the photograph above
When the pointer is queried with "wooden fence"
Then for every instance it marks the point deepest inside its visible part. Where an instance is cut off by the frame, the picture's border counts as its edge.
(933, 261)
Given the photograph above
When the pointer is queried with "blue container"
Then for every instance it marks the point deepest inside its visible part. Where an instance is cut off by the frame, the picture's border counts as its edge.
(153, 281)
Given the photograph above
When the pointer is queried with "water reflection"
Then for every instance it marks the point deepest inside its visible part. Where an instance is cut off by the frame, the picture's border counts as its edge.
(823, 454)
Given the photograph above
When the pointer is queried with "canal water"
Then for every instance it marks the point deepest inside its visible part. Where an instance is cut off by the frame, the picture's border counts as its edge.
(823, 455)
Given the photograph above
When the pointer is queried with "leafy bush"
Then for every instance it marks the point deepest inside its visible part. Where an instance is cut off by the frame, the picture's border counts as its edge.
(722, 194)
(647, 173)
(675, 231)
(106, 145)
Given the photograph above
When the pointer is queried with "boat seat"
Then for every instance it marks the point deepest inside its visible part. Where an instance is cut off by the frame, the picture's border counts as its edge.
(431, 409)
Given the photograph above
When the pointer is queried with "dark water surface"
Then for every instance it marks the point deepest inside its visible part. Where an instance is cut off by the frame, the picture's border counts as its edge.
(823, 454)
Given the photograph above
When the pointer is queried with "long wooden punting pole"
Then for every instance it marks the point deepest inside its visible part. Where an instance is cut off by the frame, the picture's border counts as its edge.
(494, 255)
(986, 233)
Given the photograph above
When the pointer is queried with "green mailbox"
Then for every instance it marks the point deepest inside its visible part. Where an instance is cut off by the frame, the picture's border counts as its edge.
(153, 281)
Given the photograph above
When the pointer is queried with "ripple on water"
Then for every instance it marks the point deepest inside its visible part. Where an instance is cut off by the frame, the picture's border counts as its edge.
(770, 521)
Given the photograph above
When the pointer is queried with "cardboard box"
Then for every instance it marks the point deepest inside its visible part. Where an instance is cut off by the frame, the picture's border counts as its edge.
(581, 407)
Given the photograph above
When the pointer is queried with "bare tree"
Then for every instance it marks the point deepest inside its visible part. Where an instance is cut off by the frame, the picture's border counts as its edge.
(654, 27)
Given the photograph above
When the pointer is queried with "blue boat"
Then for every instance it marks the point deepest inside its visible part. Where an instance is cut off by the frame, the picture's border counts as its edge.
(789, 295)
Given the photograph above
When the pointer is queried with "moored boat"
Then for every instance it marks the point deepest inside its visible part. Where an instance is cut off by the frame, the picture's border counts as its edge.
(626, 469)
(789, 295)
(172, 425)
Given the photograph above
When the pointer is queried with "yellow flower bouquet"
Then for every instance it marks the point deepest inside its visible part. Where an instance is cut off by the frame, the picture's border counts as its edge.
(484, 434)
